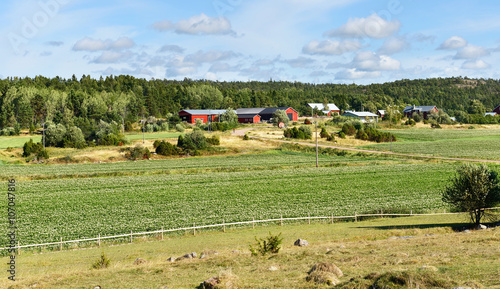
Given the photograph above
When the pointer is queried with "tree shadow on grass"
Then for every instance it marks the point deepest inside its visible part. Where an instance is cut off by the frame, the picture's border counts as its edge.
(453, 226)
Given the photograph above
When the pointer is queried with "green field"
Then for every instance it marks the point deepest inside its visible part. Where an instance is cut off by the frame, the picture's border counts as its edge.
(16, 141)
(86, 207)
(457, 143)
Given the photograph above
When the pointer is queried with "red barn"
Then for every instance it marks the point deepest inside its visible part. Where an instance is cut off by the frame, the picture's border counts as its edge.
(497, 109)
(248, 118)
(266, 113)
(191, 115)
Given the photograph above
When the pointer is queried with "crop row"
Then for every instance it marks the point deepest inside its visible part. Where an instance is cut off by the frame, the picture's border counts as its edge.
(82, 207)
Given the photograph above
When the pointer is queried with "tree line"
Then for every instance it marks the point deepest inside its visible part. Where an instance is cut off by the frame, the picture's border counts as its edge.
(25, 103)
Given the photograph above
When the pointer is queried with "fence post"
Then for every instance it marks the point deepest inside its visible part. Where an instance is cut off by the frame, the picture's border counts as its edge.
(194, 229)
(282, 220)
(162, 233)
(411, 212)
(253, 223)
(381, 213)
(130, 236)
(309, 218)
(99, 241)
(18, 248)
(60, 245)
(331, 218)
(223, 225)
(356, 217)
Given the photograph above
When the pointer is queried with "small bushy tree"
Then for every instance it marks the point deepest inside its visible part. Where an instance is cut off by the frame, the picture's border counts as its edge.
(280, 116)
(472, 189)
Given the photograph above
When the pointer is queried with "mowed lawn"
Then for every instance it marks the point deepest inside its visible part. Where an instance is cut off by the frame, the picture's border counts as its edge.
(458, 143)
(17, 141)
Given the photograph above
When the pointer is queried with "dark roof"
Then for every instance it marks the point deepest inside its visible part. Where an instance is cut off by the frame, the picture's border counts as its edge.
(204, 111)
(422, 108)
(260, 110)
(247, 115)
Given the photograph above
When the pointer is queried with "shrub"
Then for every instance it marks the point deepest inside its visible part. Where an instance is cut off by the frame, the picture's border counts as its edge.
(137, 152)
(102, 262)
(435, 125)
(330, 137)
(156, 143)
(410, 122)
(324, 133)
(164, 126)
(128, 126)
(348, 129)
(341, 134)
(417, 117)
(214, 140)
(193, 141)
(304, 132)
(31, 148)
(179, 127)
(271, 244)
(166, 149)
(280, 116)
(149, 127)
(246, 137)
(307, 121)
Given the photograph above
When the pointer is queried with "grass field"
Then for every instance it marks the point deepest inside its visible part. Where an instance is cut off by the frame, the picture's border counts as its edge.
(86, 207)
(432, 256)
(153, 136)
(457, 143)
(16, 141)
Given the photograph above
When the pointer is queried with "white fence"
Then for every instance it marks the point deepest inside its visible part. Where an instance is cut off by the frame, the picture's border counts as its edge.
(223, 227)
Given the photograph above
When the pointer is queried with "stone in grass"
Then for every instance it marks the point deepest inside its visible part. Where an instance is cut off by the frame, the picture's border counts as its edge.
(225, 279)
(205, 254)
(325, 273)
(139, 261)
(301, 243)
(429, 268)
(171, 259)
(481, 227)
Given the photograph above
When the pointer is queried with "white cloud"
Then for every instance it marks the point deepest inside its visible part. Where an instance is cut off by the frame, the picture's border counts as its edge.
(55, 43)
(475, 64)
(171, 48)
(210, 56)
(164, 25)
(112, 57)
(180, 71)
(454, 42)
(89, 44)
(222, 67)
(353, 73)
(471, 52)
(369, 61)
(329, 47)
(198, 25)
(394, 45)
(300, 62)
(372, 26)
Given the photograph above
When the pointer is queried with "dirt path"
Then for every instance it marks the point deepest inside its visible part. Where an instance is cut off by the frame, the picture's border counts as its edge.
(378, 152)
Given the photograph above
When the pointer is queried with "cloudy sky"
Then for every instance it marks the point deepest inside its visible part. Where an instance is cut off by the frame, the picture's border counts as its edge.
(319, 41)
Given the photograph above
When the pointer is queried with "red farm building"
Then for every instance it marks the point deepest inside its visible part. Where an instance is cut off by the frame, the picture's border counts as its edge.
(192, 115)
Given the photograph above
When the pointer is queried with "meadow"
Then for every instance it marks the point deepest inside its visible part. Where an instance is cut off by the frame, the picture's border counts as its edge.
(85, 207)
(456, 143)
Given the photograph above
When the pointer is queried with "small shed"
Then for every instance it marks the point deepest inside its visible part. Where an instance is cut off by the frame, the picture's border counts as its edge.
(381, 113)
(248, 118)
(363, 116)
(329, 109)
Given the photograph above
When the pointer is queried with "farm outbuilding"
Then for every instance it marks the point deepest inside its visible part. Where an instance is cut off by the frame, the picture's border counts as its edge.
(192, 115)
(424, 111)
(248, 118)
(497, 109)
(266, 113)
(327, 108)
(363, 116)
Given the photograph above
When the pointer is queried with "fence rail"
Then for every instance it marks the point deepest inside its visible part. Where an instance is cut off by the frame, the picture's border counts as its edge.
(223, 226)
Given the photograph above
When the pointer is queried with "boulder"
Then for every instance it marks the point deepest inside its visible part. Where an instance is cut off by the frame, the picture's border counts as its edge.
(273, 268)
(301, 243)
(481, 227)
(210, 283)
(171, 259)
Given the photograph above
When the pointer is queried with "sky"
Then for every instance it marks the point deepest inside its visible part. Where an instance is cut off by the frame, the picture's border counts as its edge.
(313, 41)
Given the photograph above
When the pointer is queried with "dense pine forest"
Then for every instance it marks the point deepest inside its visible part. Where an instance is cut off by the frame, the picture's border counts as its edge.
(84, 102)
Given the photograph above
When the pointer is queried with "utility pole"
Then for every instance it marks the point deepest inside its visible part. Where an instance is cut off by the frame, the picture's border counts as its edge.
(143, 130)
(316, 126)
(43, 133)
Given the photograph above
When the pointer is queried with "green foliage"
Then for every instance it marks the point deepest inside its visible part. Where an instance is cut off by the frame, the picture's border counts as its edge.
(8, 131)
(271, 244)
(193, 141)
(129, 127)
(280, 116)
(102, 262)
(348, 129)
(31, 148)
(214, 140)
(54, 135)
(341, 134)
(417, 117)
(165, 148)
(473, 188)
(372, 134)
(324, 133)
(179, 127)
(410, 122)
(138, 152)
(303, 132)
(307, 121)
(229, 116)
(246, 137)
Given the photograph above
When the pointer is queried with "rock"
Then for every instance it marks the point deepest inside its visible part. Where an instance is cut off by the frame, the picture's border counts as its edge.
(210, 283)
(187, 256)
(273, 268)
(97, 287)
(171, 259)
(481, 227)
(193, 255)
(205, 254)
(236, 252)
(139, 261)
(342, 246)
(327, 267)
(466, 231)
(301, 243)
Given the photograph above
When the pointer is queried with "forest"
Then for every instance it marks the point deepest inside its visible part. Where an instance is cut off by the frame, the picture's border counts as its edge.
(86, 102)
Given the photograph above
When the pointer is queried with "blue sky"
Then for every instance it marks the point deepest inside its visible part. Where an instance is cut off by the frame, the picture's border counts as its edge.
(317, 41)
